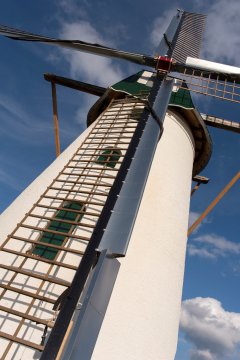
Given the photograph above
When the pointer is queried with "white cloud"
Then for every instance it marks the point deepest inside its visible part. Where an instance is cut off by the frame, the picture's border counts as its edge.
(95, 69)
(160, 25)
(222, 42)
(193, 216)
(72, 8)
(219, 243)
(213, 331)
(213, 246)
(193, 250)
(200, 355)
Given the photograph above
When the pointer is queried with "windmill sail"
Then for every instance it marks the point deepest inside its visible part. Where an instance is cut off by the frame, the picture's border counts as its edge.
(216, 85)
(48, 244)
(79, 45)
(185, 42)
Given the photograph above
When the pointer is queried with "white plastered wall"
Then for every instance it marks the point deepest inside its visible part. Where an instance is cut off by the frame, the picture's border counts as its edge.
(8, 220)
(142, 318)
(16, 211)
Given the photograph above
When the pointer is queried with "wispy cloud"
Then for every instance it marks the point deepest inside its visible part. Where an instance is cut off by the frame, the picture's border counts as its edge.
(193, 216)
(74, 9)
(75, 25)
(212, 246)
(160, 25)
(193, 250)
(96, 69)
(222, 42)
(20, 124)
(213, 332)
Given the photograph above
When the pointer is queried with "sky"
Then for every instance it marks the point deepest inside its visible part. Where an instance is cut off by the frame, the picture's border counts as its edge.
(210, 320)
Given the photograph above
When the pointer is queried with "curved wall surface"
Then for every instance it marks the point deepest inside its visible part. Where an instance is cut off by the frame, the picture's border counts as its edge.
(142, 318)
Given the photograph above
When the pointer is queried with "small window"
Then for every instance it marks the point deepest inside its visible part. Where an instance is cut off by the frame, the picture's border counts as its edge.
(56, 225)
(109, 157)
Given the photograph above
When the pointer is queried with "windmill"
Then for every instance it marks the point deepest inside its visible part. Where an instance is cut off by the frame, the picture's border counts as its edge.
(111, 191)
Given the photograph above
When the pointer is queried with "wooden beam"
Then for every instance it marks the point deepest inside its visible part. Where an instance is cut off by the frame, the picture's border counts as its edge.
(220, 123)
(55, 119)
(214, 203)
(76, 85)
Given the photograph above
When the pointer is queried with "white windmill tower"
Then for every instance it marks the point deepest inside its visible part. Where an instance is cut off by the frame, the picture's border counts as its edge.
(114, 186)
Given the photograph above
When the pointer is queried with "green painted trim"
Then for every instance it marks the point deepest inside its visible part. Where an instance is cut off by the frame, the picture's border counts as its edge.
(131, 86)
(181, 98)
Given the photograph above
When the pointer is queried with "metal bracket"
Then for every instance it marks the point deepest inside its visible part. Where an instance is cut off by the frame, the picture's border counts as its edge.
(164, 64)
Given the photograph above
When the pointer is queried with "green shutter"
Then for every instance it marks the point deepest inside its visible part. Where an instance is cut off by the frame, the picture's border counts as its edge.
(65, 228)
(109, 157)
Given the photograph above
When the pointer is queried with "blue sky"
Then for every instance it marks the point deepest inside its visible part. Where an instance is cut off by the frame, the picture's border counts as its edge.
(210, 325)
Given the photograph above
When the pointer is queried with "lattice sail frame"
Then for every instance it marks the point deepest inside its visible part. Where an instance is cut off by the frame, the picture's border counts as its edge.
(188, 39)
(210, 84)
(31, 285)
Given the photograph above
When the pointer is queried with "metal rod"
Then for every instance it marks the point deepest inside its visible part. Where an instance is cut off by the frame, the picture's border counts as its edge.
(196, 187)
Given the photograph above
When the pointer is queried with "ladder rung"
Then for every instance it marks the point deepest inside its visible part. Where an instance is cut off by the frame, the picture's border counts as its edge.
(106, 143)
(21, 341)
(54, 232)
(82, 183)
(34, 275)
(97, 148)
(128, 121)
(78, 191)
(111, 132)
(109, 137)
(50, 207)
(95, 161)
(26, 316)
(39, 258)
(27, 293)
(62, 248)
(62, 221)
(115, 127)
(87, 175)
(91, 168)
(67, 199)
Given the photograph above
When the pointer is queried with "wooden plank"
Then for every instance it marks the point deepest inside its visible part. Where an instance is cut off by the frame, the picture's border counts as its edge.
(23, 315)
(27, 293)
(21, 341)
(34, 275)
